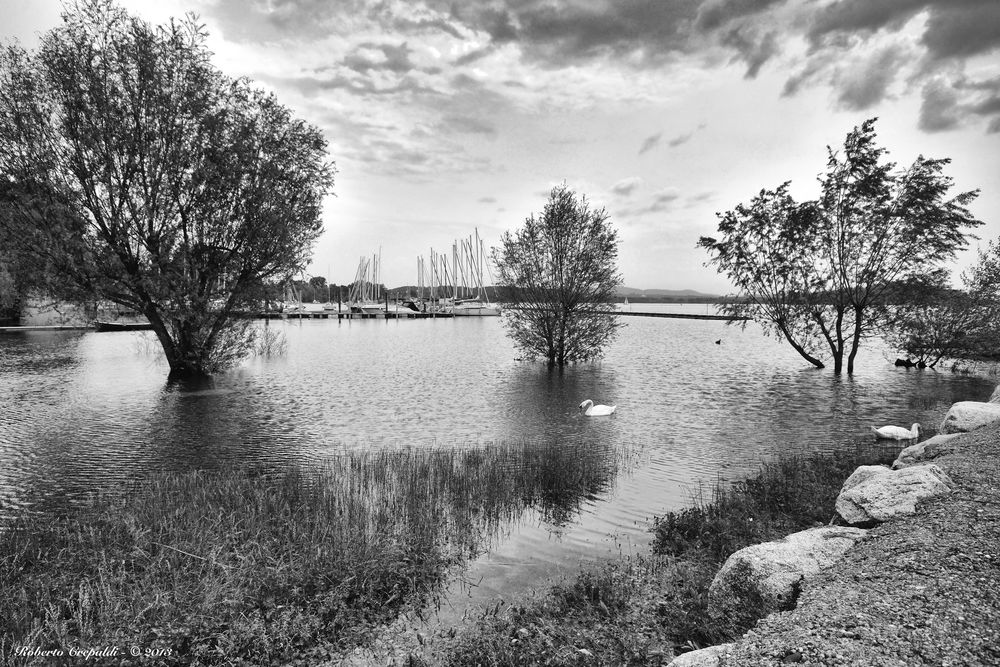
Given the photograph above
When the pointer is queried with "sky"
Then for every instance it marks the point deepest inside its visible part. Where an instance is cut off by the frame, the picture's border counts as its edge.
(444, 117)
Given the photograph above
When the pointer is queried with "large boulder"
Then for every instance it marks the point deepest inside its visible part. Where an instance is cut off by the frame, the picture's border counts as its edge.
(704, 657)
(874, 494)
(995, 396)
(967, 416)
(767, 577)
(925, 451)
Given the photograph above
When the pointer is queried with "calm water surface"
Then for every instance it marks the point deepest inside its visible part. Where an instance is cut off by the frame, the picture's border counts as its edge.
(80, 411)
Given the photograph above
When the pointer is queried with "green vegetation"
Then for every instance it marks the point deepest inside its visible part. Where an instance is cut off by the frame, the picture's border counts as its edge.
(935, 322)
(134, 171)
(236, 567)
(818, 273)
(559, 273)
(638, 610)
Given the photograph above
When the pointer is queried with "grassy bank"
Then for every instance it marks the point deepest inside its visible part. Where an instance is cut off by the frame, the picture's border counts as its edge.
(641, 610)
(234, 567)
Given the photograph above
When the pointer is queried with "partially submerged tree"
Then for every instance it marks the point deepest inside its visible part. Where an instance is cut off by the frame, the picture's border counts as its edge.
(135, 169)
(560, 270)
(819, 273)
(933, 322)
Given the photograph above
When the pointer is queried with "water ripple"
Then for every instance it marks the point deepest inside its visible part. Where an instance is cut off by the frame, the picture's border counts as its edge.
(86, 411)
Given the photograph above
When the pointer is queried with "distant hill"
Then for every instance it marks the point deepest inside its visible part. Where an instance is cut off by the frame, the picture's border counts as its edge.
(664, 293)
(633, 294)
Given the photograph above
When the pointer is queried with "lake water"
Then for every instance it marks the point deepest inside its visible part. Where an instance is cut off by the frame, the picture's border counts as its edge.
(80, 411)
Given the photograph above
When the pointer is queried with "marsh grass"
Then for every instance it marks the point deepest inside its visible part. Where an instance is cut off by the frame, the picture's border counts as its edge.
(241, 567)
(788, 494)
(270, 342)
(641, 610)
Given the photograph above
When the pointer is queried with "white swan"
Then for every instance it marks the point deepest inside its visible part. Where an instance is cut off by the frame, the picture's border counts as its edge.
(897, 432)
(596, 410)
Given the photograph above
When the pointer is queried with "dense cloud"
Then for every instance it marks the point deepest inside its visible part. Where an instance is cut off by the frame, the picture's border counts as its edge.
(962, 29)
(952, 32)
(939, 110)
(865, 84)
(454, 66)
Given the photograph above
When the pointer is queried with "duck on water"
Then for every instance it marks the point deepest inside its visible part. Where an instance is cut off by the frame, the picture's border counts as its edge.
(592, 410)
(897, 432)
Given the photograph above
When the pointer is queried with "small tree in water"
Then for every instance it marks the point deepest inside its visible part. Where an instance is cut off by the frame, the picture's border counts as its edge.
(561, 273)
(133, 168)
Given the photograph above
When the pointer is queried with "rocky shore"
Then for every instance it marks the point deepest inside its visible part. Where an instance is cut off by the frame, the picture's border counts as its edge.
(918, 584)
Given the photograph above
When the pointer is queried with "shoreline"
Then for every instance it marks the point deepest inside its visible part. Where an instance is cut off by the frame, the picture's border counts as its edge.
(920, 589)
(859, 611)
(632, 602)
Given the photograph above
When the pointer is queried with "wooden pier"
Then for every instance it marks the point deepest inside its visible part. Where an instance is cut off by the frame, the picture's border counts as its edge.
(681, 316)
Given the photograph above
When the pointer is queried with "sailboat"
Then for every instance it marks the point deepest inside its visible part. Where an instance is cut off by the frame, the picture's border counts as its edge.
(364, 297)
(463, 278)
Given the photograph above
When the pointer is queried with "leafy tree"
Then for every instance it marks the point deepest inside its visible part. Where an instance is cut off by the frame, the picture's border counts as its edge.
(560, 270)
(819, 273)
(134, 169)
(933, 322)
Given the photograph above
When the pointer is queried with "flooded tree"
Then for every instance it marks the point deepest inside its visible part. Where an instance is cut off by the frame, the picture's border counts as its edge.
(560, 273)
(934, 322)
(132, 168)
(820, 273)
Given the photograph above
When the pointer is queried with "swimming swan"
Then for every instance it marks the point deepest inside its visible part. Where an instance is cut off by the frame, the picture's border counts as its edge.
(596, 410)
(897, 432)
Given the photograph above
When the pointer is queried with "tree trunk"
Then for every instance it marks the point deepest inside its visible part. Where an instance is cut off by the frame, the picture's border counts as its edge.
(855, 338)
(182, 359)
(838, 352)
(798, 348)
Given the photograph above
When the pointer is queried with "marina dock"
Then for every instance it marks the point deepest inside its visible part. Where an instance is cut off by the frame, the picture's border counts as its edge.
(681, 316)
(334, 315)
(400, 315)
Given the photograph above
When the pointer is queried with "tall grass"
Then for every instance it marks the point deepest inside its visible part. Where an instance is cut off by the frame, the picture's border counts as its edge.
(641, 610)
(269, 342)
(787, 494)
(241, 567)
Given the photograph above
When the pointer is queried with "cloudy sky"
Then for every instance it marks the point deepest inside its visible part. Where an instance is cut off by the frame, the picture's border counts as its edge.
(445, 116)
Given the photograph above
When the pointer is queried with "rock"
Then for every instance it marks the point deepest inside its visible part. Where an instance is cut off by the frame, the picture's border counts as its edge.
(766, 577)
(969, 415)
(925, 451)
(874, 494)
(703, 657)
(995, 396)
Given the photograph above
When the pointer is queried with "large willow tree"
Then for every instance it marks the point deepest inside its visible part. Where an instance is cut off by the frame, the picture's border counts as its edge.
(820, 274)
(134, 169)
(560, 270)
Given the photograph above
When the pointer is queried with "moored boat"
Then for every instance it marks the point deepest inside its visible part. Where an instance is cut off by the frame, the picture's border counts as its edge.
(474, 308)
(103, 326)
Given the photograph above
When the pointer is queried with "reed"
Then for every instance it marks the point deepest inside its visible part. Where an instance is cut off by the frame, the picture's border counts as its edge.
(245, 567)
(787, 494)
(270, 342)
